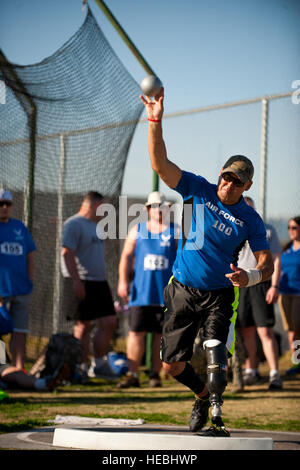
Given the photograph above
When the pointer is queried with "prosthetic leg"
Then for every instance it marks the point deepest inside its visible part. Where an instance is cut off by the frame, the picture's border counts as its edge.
(216, 356)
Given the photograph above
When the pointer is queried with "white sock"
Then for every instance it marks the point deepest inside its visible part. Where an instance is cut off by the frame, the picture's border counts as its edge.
(40, 384)
(273, 372)
(250, 371)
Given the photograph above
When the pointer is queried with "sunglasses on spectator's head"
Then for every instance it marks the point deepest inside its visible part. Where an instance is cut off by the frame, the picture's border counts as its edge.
(5, 203)
(231, 179)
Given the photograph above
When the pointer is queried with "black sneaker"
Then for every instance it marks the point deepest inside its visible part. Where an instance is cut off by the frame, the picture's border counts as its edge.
(154, 380)
(275, 382)
(217, 431)
(199, 414)
(128, 381)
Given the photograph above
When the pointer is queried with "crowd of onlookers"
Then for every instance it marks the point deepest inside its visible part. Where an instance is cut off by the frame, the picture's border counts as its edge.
(84, 278)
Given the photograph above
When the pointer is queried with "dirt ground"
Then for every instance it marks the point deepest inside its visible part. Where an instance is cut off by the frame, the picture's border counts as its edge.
(256, 407)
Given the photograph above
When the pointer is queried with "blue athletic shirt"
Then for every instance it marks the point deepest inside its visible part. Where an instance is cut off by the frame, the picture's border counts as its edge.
(154, 258)
(290, 272)
(15, 244)
(215, 234)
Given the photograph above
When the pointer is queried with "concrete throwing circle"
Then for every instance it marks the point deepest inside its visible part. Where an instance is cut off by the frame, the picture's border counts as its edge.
(98, 440)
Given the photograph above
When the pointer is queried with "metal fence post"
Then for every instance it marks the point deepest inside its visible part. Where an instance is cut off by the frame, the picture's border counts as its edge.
(59, 222)
(263, 158)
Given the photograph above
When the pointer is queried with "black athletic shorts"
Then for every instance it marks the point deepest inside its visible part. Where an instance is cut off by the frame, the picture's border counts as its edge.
(98, 301)
(146, 318)
(189, 309)
(253, 309)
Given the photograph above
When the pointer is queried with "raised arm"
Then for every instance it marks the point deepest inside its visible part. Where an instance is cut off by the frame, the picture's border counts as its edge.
(166, 170)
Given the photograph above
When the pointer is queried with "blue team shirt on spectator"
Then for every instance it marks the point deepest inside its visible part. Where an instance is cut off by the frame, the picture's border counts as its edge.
(15, 244)
(211, 240)
(155, 255)
(290, 272)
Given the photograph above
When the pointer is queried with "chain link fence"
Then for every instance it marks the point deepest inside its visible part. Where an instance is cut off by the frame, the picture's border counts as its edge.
(66, 128)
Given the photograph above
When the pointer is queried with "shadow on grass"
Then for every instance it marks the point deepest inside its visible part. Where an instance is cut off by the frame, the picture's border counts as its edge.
(60, 399)
(279, 426)
(24, 425)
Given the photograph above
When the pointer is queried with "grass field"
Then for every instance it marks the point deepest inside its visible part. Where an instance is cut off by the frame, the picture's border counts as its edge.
(254, 408)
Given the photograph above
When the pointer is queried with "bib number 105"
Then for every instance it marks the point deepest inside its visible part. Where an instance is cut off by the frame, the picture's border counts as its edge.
(10, 248)
(222, 227)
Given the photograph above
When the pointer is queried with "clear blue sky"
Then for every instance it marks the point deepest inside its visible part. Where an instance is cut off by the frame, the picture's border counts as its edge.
(206, 52)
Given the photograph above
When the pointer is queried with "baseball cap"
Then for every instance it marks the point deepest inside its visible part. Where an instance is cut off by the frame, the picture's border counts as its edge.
(5, 195)
(156, 198)
(241, 166)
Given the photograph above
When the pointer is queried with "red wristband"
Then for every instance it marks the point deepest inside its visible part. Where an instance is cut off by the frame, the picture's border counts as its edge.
(154, 120)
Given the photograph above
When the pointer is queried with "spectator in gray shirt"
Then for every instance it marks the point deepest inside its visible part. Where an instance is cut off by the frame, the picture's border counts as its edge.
(256, 311)
(86, 293)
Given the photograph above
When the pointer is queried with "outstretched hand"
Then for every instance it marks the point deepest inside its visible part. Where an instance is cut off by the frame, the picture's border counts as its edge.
(239, 277)
(154, 107)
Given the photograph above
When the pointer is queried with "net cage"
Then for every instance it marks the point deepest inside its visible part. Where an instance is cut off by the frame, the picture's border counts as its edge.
(66, 128)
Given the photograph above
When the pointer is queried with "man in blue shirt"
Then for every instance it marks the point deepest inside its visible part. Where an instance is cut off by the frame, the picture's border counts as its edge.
(16, 274)
(204, 290)
(151, 247)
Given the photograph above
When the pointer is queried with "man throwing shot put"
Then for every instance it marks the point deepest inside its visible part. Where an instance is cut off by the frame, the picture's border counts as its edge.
(203, 292)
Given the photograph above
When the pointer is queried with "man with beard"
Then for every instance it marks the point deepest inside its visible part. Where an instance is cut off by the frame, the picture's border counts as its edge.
(203, 292)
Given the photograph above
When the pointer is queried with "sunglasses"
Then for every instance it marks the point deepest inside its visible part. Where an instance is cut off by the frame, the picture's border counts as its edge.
(155, 205)
(5, 203)
(231, 179)
(292, 227)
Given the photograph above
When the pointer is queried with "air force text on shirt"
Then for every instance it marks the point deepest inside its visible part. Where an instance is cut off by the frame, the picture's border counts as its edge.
(226, 215)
